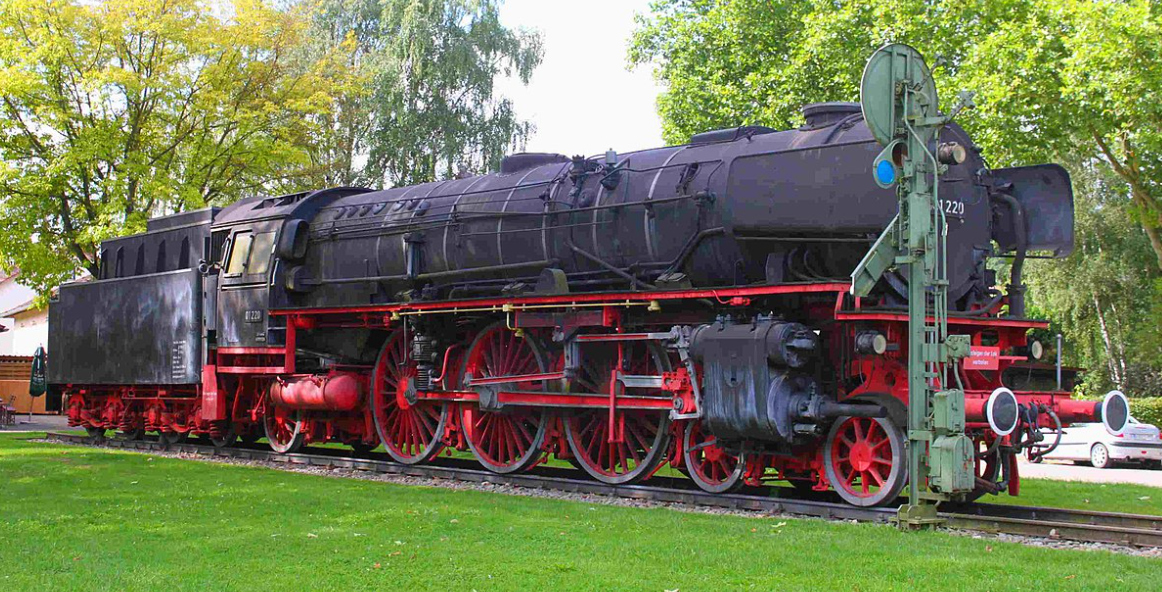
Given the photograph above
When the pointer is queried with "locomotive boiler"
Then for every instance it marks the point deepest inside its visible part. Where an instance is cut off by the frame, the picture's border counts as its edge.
(686, 305)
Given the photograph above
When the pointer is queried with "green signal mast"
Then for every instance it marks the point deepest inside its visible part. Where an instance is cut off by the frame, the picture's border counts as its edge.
(901, 108)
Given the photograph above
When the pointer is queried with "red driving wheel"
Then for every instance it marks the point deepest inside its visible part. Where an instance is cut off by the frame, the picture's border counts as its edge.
(639, 438)
(511, 439)
(412, 432)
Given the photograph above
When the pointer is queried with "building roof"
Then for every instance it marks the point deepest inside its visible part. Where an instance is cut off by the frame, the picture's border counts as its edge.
(19, 308)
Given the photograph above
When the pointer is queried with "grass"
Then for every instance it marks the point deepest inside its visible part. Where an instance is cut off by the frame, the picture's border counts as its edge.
(97, 519)
(1106, 497)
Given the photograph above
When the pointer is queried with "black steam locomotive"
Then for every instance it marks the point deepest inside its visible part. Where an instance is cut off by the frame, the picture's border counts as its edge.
(685, 305)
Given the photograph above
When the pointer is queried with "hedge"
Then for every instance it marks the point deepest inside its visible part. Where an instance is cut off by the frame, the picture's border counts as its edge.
(1147, 410)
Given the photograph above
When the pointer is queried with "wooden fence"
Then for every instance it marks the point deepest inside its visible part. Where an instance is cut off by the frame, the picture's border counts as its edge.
(15, 371)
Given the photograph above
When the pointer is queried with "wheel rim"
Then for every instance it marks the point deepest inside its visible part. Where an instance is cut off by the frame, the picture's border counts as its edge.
(709, 465)
(410, 433)
(509, 440)
(864, 460)
(1099, 456)
(643, 434)
(283, 432)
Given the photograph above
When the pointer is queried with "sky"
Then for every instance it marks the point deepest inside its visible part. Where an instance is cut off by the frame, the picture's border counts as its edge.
(581, 98)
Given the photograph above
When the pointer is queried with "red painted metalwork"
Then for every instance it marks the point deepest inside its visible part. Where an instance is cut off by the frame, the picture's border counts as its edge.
(410, 432)
(862, 457)
(708, 464)
(499, 395)
(612, 298)
(335, 391)
(512, 440)
(617, 444)
(252, 351)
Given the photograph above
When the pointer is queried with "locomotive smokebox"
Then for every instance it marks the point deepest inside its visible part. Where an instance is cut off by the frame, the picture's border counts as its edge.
(338, 391)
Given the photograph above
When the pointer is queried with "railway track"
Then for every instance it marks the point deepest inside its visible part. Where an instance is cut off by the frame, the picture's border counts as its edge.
(1083, 526)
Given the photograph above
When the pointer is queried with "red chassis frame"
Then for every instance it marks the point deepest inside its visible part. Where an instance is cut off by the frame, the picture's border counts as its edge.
(235, 380)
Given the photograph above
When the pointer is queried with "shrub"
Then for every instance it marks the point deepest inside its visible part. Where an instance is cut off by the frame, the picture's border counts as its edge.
(1147, 410)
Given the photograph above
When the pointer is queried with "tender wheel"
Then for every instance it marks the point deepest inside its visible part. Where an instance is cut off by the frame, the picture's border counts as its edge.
(1099, 456)
(250, 436)
(129, 435)
(512, 439)
(95, 433)
(168, 439)
(284, 431)
(226, 440)
(864, 459)
(712, 468)
(639, 440)
(411, 433)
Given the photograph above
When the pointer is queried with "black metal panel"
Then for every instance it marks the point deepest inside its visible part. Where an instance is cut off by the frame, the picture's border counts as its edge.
(1046, 195)
(140, 330)
(202, 216)
(177, 242)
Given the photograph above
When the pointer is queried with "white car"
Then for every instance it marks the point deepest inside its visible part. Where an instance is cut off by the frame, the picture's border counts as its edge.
(1091, 442)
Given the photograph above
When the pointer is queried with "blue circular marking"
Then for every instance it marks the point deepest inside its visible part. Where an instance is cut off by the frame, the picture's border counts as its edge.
(885, 172)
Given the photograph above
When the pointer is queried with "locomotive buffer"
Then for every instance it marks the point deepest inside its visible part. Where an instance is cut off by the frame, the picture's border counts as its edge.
(901, 107)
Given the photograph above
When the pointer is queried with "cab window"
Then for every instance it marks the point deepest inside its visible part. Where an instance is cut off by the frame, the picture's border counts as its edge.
(239, 252)
(260, 251)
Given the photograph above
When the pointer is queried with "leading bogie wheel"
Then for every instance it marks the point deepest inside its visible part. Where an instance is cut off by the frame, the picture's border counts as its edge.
(512, 439)
(864, 460)
(710, 466)
(631, 448)
(411, 432)
(284, 430)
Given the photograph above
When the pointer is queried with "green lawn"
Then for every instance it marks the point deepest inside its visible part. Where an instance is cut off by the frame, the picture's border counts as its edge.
(1105, 497)
(95, 519)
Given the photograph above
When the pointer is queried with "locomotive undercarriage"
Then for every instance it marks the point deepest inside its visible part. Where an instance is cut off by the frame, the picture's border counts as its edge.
(616, 386)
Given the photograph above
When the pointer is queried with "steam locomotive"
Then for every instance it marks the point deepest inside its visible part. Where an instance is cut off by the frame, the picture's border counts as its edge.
(686, 305)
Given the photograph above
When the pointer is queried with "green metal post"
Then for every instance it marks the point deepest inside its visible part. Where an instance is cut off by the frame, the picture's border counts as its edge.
(901, 108)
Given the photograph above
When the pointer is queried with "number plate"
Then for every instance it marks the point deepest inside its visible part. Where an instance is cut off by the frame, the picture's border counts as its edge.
(253, 316)
(952, 208)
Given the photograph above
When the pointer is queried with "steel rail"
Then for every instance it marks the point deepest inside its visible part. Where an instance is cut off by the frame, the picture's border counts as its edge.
(1084, 526)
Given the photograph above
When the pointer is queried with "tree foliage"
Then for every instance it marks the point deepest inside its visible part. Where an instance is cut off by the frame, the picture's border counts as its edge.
(1073, 81)
(111, 112)
(1064, 79)
(419, 102)
(1104, 296)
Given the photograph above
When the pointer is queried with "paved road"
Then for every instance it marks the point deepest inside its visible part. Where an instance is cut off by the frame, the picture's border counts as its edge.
(39, 423)
(1064, 470)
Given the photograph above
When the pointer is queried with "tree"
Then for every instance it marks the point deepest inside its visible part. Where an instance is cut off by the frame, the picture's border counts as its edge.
(112, 112)
(1103, 296)
(419, 102)
(1056, 79)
